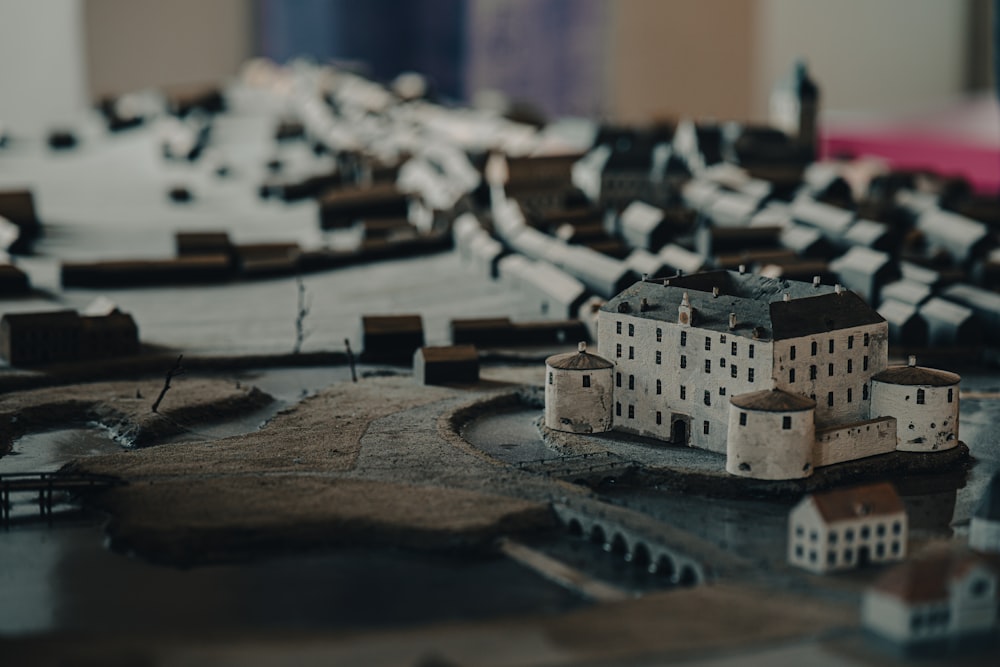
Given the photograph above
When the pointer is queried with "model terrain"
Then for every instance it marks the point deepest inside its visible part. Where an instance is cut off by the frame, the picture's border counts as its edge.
(378, 367)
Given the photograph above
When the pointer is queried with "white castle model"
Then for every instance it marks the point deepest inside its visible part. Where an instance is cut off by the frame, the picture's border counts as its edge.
(782, 376)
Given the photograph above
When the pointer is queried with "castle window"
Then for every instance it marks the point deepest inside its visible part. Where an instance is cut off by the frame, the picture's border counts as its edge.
(708, 397)
(586, 380)
(659, 357)
(864, 364)
(659, 417)
(850, 365)
(867, 339)
(743, 419)
(733, 348)
(722, 339)
(618, 409)
(684, 338)
(786, 422)
(684, 361)
(865, 532)
(864, 392)
(631, 382)
(708, 365)
(831, 346)
(631, 411)
(791, 375)
(683, 391)
(830, 370)
(708, 343)
(733, 371)
(895, 548)
(850, 342)
(659, 387)
(631, 329)
(618, 379)
(659, 335)
(722, 362)
(618, 350)
(704, 428)
(722, 391)
(880, 550)
(749, 375)
(550, 378)
(880, 530)
(849, 534)
(831, 558)
(812, 372)
(897, 527)
(832, 537)
(920, 396)
(791, 352)
(631, 352)
(951, 394)
(829, 399)
(618, 328)
(750, 351)
(815, 348)
(850, 396)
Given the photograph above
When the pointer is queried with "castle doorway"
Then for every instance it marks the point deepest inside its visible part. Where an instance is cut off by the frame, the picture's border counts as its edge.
(679, 430)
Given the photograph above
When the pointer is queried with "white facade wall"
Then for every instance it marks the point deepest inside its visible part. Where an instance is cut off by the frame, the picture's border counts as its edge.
(886, 615)
(984, 535)
(687, 391)
(572, 406)
(819, 547)
(854, 441)
(760, 446)
(930, 425)
(843, 363)
(974, 602)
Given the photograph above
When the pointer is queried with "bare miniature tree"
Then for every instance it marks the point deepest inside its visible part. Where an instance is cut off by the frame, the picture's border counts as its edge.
(176, 370)
(350, 360)
(300, 315)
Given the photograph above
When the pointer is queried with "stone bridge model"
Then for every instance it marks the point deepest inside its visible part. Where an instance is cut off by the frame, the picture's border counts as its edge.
(639, 539)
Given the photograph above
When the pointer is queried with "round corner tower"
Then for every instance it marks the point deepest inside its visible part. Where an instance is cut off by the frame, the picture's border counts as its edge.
(771, 435)
(924, 402)
(578, 392)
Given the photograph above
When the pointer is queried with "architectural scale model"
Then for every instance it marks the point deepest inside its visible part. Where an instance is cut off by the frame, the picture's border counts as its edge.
(782, 376)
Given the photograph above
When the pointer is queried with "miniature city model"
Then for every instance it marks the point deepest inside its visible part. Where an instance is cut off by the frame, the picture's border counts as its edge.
(781, 376)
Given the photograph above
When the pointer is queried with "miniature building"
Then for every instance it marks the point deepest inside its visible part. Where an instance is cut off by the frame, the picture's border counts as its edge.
(940, 599)
(847, 528)
(696, 358)
(31, 339)
(391, 338)
(644, 226)
(578, 392)
(452, 364)
(13, 281)
(924, 402)
(865, 271)
(984, 530)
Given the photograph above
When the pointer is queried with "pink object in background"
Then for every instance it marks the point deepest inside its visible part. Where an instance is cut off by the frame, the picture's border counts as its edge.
(961, 139)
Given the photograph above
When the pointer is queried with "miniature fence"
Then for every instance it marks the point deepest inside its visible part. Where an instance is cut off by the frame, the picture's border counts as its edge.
(46, 484)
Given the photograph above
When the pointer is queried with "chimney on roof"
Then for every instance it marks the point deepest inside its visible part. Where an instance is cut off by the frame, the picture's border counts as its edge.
(645, 277)
(715, 292)
(685, 313)
(785, 297)
(624, 307)
(643, 305)
(912, 361)
(732, 321)
(757, 332)
(581, 347)
(838, 289)
(815, 281)
(743, 269)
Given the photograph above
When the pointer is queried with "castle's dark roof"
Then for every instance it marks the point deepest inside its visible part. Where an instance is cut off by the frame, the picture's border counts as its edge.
(756, 300)
(917, 375)
(773, 400)
(578, 361)
(989, 504)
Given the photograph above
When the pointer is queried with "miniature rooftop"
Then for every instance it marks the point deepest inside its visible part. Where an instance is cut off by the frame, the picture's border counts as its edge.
(578, 361)
(757, 301)
(926, 579)
(857, 502)
(773, 400)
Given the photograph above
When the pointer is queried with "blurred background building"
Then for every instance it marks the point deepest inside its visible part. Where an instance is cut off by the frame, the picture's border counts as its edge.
(624, 61)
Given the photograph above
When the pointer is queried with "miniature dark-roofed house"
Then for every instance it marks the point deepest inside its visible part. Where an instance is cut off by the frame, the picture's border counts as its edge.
(391, 338)
(108, 336)
(30, 339)
(906, 326)
(963, 239)
(984, 530)
(946, 599)
(865, 271)
(451, 364)
(949, 323)
(847, 528)
(13, 281)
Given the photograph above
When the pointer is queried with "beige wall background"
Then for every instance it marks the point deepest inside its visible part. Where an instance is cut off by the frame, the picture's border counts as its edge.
(139, 43)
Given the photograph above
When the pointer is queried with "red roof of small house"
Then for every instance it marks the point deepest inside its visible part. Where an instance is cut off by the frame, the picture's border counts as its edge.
(927, 579)
(858, 502)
